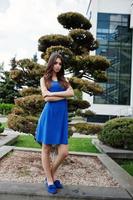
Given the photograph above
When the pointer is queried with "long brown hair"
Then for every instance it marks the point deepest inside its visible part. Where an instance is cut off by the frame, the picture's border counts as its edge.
(49, 71)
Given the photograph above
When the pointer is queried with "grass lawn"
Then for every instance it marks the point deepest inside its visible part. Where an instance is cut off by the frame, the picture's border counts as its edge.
(5, 124)
(82, 145)
(75, 144)
(126, 165)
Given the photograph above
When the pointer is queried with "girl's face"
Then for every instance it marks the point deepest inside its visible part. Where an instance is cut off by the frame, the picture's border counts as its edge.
(57, 65)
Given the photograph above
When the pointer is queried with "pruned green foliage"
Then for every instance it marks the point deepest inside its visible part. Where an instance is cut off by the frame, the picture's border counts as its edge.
(88, 129)
(72, 20)
(47, 41)
(84, 114)
(86, 86)
(32, 104)
(82, 37)
(27, 73)
(65, 52)
(26, 124)
(17, 110)
(30, 91)
(77, 104)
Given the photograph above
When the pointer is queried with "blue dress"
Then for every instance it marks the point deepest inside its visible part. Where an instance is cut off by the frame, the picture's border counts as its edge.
(52, 127)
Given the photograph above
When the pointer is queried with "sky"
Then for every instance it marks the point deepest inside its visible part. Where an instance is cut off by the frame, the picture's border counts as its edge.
(23, 22)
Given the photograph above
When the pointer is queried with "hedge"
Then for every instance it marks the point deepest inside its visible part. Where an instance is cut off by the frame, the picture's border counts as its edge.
(118, 133)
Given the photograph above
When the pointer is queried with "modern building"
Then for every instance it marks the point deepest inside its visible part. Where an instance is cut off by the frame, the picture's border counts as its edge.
(112, 25)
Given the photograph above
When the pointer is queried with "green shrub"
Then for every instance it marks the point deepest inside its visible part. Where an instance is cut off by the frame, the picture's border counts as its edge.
(85, 128)
(118, 133)
(1, 128)
(5, 108)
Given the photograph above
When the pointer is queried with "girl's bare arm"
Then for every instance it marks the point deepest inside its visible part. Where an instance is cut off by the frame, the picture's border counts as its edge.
(68, 93)
(44, 90)
(53, 98)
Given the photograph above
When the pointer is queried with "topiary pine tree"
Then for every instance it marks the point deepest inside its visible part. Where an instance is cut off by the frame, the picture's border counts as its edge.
(86, 70)
(75, 47)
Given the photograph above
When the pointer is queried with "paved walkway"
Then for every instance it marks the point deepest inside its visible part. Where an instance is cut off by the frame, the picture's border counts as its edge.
(3, 119)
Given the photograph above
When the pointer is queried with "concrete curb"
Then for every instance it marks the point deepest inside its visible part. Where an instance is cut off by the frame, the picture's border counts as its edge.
(112, 152)
(9, 137)
(5, 150)
(28, 191)
(118, 173)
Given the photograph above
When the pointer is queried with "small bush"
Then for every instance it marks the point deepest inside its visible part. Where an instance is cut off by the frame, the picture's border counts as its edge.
(85, 128)
(118, 133)
(5, 108)
(1, 128)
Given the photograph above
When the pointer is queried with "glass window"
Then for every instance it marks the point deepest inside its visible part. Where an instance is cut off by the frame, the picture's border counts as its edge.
(115, 17)
(115, 39)
(103, 17)
(125, 18)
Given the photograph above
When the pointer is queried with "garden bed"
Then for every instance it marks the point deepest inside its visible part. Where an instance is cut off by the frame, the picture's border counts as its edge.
(25, 166)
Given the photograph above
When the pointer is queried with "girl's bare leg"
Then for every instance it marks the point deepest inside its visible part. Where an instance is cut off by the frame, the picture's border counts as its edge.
(46, 162)
(62, 154)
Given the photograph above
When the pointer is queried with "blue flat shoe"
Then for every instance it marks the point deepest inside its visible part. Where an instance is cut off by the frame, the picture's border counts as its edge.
(58, 184)
(51, 188)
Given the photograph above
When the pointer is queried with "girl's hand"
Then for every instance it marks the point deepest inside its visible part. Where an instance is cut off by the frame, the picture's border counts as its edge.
(48, 93)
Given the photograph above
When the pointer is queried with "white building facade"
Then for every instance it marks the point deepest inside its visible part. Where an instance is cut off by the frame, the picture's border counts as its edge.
(112, 25)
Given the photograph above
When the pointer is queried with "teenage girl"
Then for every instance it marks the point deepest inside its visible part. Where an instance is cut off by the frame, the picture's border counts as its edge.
(52, 128)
